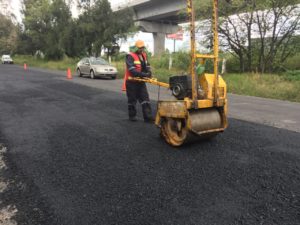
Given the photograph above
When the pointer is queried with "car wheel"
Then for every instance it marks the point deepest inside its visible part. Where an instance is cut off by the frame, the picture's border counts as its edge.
(92, 74)
(79, 73)
(113, 77)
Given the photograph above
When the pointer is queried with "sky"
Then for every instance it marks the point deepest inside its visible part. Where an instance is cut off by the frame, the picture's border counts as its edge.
(115, 1)
(16, 8)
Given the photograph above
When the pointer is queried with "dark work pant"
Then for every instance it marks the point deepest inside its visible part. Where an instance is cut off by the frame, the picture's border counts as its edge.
(137, 91)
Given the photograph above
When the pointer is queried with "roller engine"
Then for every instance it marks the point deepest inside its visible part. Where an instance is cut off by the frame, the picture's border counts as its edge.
(181, 86)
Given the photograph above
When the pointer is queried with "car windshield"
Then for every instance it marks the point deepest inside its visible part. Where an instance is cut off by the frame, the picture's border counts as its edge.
(98, 61)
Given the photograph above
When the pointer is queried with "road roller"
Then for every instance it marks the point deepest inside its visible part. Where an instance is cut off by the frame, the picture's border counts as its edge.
(200, 109)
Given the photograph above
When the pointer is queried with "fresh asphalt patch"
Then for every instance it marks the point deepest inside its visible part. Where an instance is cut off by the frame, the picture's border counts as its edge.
(74, 158)
(21, 201)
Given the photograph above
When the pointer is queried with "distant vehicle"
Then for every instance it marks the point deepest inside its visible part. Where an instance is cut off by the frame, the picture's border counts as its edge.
(6, 59)
(96, 67)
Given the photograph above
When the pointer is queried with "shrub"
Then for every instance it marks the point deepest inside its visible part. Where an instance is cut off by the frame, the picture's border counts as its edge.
(120, 57)
(232, 65)
(293, 62)
(291, 75)
(161, 62)
(182, 60)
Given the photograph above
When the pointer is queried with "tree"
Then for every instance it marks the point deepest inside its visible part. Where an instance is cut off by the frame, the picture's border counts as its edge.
(234, 27)
(121, 24)
(102, 27)
(276, 27)
(8, 35)
(74, 41)
(50, 28)
(102, 17)
(60, 20)
(36, 23)
(237, 30)
(94, 23)
(45, 25)
(258, 33)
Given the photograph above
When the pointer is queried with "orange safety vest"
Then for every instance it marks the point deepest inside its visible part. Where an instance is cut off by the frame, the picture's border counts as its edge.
(138, 67)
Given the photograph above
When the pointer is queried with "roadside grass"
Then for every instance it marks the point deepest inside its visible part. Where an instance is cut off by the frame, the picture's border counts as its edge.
(264, 85)
(120, 67)
(285, 86)
(32, 61)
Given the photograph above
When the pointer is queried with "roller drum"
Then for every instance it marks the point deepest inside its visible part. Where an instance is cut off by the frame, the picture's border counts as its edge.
(204, 120)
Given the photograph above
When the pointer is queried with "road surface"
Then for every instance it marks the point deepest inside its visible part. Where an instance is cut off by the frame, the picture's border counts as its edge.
(70, 156)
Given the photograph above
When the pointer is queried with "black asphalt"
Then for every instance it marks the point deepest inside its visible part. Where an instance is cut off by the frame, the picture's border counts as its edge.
(74, 159)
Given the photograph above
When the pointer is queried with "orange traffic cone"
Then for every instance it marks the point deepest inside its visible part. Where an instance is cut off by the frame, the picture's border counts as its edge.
(25, 66)
(69, 74)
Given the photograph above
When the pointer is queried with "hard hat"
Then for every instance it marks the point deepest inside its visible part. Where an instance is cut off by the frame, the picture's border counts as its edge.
(139, 44)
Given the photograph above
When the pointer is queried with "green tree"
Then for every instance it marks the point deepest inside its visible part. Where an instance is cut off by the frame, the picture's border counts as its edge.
(36, 23)
(45, 26)
(277, 33)
(60, 20)
(258, 33)
(74, 41)
(8, 35)
(50, 28)
(102, 28)
(121, 24)
(102, 17)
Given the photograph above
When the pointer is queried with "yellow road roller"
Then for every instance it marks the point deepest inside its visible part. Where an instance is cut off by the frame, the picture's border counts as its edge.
(200, 109)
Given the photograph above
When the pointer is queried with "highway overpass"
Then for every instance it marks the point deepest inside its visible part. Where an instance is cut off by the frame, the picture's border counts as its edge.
(159, 17)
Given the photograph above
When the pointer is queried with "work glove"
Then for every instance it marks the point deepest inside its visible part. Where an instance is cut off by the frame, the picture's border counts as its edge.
(149, 74)
(146, 75)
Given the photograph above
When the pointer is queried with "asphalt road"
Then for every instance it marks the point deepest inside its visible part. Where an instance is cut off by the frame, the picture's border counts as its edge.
(73, 159)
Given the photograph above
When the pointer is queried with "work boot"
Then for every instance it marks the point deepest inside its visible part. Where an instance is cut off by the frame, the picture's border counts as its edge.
(132, 113)
(147, 113)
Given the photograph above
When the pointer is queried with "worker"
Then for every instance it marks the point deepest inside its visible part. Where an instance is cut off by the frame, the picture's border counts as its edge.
(137, 65)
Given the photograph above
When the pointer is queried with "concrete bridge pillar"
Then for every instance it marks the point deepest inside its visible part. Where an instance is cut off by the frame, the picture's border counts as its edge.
(159, 43)
(159, 31)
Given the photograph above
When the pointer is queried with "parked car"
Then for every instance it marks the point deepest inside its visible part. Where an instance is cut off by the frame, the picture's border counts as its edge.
(6, 59)
(96, 67)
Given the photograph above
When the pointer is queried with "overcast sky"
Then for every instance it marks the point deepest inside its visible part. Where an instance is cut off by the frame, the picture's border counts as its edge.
(16, 6)
(116, 1)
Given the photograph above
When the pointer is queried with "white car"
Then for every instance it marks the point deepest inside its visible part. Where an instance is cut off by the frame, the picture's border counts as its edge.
(6, 59)
(94, 67)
